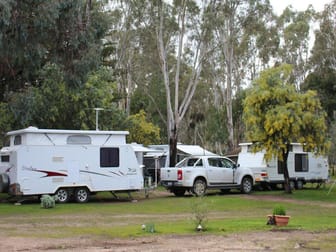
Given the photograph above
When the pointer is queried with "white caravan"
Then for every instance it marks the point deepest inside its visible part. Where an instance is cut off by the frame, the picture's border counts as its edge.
(303, 166)
(68, 163)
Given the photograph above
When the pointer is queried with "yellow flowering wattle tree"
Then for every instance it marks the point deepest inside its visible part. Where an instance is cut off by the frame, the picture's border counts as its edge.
(276, 115)
(141, 130)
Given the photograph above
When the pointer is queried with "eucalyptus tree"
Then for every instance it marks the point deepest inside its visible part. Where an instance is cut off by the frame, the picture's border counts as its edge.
(322, 65)
(322, 62)
(34, 33)
(324, 49)
(47, 51)
(181, 31)
(294, 29)
(128, 18)
(130, 50)
(237, 25)
(276, 115)
(53, 104)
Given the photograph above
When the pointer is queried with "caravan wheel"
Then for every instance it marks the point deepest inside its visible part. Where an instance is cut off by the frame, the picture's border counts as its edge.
(63, 195)
(299, 184)
(82, 195)
(4, 182)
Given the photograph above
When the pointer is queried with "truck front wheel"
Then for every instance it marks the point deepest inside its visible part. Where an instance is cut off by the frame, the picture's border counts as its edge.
(246, 185)
(199, 188)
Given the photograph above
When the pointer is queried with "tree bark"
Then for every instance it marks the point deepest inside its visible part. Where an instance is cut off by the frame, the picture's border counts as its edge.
(176, 107)
(173, 147)
(287, 186)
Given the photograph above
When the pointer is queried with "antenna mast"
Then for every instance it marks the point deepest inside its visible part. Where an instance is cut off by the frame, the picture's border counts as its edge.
(97, 117)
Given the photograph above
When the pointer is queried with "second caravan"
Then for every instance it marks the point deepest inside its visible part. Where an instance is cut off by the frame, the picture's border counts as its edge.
(303, 166)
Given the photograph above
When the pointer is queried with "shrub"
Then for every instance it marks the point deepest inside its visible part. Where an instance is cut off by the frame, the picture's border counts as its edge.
(47, 201)
(279, 210)
(200, 212)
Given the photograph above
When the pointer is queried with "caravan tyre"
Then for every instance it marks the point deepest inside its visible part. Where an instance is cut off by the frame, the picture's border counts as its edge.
(82, 195)
(299, 184)
(63, 195)
(292, 185)
(4, 183)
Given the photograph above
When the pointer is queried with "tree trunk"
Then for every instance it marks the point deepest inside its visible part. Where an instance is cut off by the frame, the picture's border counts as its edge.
(287, 186)
(173, 147)
(229, 122)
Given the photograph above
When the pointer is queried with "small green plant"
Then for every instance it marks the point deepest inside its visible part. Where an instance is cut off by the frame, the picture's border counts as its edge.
(200, 212)
(148, 227)
(47, 201)
(279, 210)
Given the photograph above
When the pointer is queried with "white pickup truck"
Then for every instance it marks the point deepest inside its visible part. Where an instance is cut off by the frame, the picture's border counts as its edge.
(199, 173)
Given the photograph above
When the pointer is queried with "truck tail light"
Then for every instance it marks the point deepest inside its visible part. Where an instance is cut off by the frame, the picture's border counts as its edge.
(179, 174)
(263, 174)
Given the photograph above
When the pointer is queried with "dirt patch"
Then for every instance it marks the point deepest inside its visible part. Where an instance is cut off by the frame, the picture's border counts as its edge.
(257, 241)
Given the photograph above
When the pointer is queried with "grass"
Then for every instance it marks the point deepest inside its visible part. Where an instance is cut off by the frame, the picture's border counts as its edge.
(104, 216)
(325, 193)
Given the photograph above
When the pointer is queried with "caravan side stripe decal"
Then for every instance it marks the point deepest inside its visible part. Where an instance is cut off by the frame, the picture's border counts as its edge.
(96, 173)
(116, 173)
(52, 174)
(47, 173)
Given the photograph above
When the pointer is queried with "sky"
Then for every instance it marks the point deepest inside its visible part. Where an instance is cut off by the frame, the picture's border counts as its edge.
(299, 5)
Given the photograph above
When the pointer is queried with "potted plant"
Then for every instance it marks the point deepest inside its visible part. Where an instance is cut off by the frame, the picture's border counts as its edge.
(278, 217)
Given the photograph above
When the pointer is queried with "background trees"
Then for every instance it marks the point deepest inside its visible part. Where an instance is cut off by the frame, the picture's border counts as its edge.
(187, 64)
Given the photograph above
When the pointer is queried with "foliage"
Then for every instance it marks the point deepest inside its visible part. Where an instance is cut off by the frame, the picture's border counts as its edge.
(322, 81)
(200, 213)
(150, 102)
(279, 210)
(6, 118)
(52, 52)
(294, 29)
(35, 33)
(142, 131)
(54, 105)
(215, 130)
(100, 91)
(235, 28)
(324, 49)
(47, 201)
(276, 114)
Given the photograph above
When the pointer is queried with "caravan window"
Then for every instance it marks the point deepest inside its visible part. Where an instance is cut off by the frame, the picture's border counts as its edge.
(5, 158)
(301, 162)
(79, 139)
(109, 157)
(17, 140)
(281, 167)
